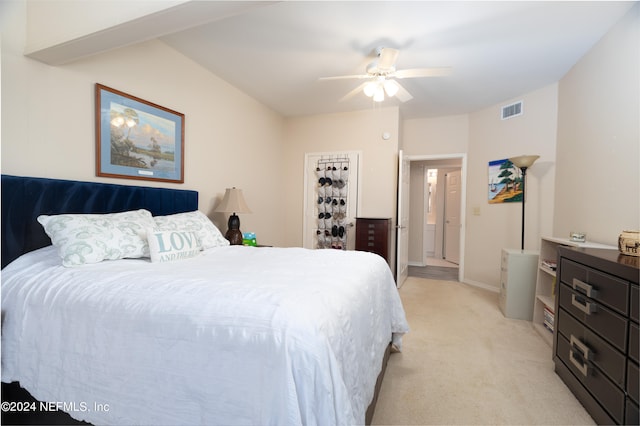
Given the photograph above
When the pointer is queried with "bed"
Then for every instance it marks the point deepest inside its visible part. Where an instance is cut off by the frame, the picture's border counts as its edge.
(232, 335)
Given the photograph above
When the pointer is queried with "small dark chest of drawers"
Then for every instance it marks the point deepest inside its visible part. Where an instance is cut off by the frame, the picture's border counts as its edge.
(595, 345)
(374, 235)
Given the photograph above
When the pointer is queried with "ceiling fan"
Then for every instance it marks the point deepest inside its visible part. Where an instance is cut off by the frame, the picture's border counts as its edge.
(382, 74)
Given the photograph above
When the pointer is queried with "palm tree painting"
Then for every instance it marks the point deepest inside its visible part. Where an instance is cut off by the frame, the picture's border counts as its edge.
(505, 182)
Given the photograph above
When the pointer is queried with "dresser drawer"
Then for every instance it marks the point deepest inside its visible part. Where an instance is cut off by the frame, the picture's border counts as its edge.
(607, 394)
(634, 342)
(633, 381)
(632, 416)
(375, 226)
(634, 306)
(603, 288)
(597, 351)
(599, 318)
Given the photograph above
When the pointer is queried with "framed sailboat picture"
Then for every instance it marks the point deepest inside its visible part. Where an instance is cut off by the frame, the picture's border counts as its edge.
(505, 182)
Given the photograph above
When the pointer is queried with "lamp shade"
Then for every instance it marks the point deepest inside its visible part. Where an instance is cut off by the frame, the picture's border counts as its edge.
(233, 202)
(369, 88)
(391, 87)
(378, 94)
(524, 160)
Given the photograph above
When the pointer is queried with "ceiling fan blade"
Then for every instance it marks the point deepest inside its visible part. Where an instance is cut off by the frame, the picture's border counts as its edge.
(388, 57)
(402, 94)
(344, 77)
(353, 92)
(423, 72)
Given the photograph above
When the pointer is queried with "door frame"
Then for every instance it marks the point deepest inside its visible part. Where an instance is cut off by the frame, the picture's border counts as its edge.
(463, 195)
(402, 223)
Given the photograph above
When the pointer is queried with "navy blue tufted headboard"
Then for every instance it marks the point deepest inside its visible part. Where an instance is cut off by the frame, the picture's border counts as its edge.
(25, 198)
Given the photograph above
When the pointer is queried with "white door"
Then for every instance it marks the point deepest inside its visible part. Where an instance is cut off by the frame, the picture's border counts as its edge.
(340, 198)
(452, 217)
(402, 237)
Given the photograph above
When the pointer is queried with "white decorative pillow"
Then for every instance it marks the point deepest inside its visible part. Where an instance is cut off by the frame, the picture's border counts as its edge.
(92, 238)
(196, 221)
(167, 246)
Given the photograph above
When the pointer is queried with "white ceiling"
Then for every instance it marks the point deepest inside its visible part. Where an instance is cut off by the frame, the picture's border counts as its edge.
(276, 52)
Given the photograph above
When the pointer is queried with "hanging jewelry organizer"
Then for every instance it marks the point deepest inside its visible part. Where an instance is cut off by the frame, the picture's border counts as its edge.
(332, 202)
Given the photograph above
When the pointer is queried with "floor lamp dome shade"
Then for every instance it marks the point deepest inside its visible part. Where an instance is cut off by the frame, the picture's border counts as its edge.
(523, 162)
(233, 202)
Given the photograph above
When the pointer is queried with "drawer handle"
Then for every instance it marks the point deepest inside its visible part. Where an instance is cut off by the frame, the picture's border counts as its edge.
(582, 304)
(584, 288)
(585, 354)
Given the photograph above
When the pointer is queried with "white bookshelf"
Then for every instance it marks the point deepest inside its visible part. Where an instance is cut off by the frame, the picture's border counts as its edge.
(545, 295)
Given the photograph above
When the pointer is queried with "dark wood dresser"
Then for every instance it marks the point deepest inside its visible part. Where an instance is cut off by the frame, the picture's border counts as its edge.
(374, 235)
(595, 343)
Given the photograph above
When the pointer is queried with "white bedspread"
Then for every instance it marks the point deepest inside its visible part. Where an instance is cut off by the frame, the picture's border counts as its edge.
(238, 335)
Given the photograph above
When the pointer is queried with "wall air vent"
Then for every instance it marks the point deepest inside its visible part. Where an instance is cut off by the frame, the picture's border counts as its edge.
(513, 110)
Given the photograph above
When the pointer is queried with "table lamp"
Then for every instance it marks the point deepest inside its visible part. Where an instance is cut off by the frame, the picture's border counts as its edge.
(233, 202)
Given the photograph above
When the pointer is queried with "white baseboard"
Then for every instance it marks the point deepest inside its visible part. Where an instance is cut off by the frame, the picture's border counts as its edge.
(482, 285)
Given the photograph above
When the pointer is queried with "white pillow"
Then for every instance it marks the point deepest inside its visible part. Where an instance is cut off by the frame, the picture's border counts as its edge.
(167, 246)
(196, 221)
(92, 238)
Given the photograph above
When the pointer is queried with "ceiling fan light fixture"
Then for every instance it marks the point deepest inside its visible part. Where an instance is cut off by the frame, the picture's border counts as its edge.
(378, 96)
(391, 87)
(369, 88)
(381, 75)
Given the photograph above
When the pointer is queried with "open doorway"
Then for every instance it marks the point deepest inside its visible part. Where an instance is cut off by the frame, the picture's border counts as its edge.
(436, 243)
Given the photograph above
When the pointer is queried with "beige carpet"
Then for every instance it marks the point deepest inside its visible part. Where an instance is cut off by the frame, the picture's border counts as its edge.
(463, 362)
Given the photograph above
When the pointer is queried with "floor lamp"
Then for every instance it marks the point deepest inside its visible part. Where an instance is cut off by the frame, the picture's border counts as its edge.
(523, 162)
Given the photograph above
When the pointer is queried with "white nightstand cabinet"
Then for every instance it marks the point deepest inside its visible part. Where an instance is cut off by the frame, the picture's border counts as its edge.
(518, 283)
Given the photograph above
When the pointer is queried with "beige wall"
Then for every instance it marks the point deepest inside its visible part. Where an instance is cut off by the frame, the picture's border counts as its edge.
(598, 171)
(433, 136)
(355, 131)
(484, 137)
(498, 226)
(230, 139)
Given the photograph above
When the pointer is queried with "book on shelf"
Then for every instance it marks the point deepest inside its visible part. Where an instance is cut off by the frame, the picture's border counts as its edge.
(549, 264)
(549, 318)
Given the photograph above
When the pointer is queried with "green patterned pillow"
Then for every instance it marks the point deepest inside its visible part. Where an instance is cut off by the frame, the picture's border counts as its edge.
(196, 221)
(167, 246)
(92, 238)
